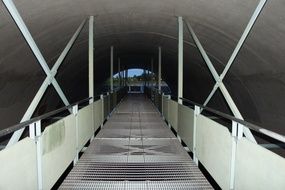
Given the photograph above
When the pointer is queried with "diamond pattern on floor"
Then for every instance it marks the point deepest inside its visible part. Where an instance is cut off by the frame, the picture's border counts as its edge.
(135, 150)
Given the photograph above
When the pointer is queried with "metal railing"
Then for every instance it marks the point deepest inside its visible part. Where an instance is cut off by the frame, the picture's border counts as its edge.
(251, 126)
(70, 134)
(24, 124)
(230, 157)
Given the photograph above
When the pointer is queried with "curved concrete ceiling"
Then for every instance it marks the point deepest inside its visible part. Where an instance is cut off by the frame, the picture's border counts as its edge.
(136, 28)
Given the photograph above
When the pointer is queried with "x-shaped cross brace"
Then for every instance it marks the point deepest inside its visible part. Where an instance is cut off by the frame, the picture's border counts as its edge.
(219, 79)
(50, 79)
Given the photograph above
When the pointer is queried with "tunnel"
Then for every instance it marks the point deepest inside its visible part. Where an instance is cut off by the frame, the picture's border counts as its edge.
(225, 57)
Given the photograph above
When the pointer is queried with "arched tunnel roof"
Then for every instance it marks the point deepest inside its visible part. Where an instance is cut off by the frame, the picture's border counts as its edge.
(136, 29)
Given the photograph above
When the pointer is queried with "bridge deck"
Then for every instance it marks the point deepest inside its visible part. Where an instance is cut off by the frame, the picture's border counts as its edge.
(135, 150)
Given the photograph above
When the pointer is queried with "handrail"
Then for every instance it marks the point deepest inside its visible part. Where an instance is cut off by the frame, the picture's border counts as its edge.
(21, 125)
(114, 90)
(252, 126)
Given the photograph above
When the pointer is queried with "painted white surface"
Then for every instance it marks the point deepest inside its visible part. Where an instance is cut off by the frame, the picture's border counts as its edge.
(173, 113)
(98, 114)
(185, 125)
(165, 107)
(18, 166)
(214, 147)
(59, 149)
(258, 168)
(85, 125)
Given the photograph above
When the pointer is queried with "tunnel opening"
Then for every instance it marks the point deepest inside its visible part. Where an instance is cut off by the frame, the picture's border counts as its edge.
(215, 79)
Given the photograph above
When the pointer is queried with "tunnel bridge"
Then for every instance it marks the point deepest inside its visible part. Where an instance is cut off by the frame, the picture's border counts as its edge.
(135, 149)
(134, 141)
(142, 140)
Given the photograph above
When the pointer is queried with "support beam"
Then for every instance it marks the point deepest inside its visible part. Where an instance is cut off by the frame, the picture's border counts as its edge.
(151, 72)
(219, 79)
(159, 69)
(50, 74)
(127, 75)
(27, 35)
(119, 71)
(124, 77)
(148, 75)
(219, 84)
(91, 58)
(238, 46)
(112, 69)
(180, 59)
(144, 78)
(244, 36)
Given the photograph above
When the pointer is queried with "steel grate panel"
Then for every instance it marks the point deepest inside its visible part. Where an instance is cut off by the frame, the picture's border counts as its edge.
(115, 185)
(135, 150)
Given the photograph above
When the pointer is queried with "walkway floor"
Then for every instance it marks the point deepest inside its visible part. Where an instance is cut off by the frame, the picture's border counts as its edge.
(135, 150)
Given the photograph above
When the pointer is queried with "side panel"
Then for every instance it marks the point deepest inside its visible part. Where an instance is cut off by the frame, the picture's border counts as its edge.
(214, 147)
(185, 125)
(165, 107)
(98, 112)
(59, 149)
(258, 168)
(106, 106)
(173, 114)
(18, 166)
(85, 125)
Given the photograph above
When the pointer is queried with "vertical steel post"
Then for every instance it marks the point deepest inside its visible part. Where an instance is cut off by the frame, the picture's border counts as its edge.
(124, 78)
(180, 59)
(151, 71)
(75, 113)
(233, 154)
(112, 69)
(102, 98)
(127, 75)
(159, 68)
(144, 74)
(91, 59)
(237, 134)
(35, 134)
(38, 138)
(119, 71)
(148, 76)
(168, 110)
(197, 111)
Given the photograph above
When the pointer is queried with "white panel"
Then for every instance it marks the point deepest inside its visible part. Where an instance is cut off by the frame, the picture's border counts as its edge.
(115, 99)
(106, 106)
(165, 107)
(98, 114)
(258, 168)
(214, 146)
(172, 114)
(85, 125)
(185, 125)
(18, 166)
(59, 149)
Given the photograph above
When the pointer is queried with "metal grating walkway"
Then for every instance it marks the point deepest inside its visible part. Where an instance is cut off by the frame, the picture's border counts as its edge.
(135, 150)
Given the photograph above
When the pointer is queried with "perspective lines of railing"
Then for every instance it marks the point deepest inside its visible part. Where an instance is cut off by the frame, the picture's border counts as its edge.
(231, 159)
(38, 160)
